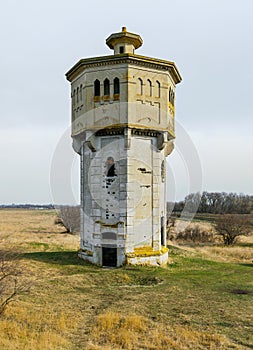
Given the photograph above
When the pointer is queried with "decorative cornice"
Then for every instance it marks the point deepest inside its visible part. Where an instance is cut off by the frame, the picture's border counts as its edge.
(129, 59)
(118, 129)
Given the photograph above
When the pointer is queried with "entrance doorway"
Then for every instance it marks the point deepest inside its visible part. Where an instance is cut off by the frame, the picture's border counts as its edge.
(109, 256)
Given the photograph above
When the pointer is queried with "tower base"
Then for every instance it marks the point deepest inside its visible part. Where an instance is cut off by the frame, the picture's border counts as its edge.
(148, 256)
(116, 257)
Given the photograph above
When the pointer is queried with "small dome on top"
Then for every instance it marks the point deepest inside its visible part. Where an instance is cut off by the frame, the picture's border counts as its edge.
(124, 42)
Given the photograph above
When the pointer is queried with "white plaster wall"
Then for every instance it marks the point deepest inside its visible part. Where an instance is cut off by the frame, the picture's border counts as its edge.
(133, 209)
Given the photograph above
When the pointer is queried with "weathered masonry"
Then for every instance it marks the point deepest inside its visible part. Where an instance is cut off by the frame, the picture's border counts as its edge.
(123, 110)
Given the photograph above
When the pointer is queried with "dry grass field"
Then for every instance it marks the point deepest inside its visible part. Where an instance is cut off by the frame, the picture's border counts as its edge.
(202, 300)
(242, 252)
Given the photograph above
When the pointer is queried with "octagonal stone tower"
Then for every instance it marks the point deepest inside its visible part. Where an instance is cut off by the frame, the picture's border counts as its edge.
(123, 110)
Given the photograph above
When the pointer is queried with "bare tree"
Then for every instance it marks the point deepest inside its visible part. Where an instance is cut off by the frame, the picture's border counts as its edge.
(12, 281)
(68, 217)
(225, 203)
(232, 226)
(216, 203)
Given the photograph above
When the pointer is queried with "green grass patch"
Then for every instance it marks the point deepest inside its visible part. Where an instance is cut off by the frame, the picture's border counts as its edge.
(34, 245)
(192, 291)
(192, 294)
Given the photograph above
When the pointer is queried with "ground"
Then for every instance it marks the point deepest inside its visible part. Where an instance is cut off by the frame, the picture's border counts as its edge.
(203, 299)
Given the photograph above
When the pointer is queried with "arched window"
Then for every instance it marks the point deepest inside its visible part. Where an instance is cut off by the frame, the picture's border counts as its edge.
(106, 87)
(171, 96)
(81, 92)
(77, 95)
(97, 88)
(149, 88)
(158, 89)
(110, 167)
(116, 90)
(140, 87)
(74, 97)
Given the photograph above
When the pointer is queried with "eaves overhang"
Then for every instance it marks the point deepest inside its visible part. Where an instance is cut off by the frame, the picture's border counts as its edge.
(137, 60)
(124, 37)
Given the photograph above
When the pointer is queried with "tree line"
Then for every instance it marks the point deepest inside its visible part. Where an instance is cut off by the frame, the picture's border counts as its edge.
(214, 203)
(26, 206)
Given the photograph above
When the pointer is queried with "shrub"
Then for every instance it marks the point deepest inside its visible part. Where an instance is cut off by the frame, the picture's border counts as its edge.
(195, 233)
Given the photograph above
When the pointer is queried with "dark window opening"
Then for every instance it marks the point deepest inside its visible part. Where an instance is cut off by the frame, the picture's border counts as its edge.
(171, 96)
(140, 86)
(106, 87)
(110, 167)
(121, 49)
(116, 86)
(81, 92)
(150, 87)
(158, 86)
(74, 98)
(77, 95)
(97, 88)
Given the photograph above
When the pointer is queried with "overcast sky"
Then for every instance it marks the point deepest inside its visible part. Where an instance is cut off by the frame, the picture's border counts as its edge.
(211, 43)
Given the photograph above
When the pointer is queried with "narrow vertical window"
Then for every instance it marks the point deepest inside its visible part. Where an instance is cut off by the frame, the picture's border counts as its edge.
(149, 88)
(121, 49)
(171, 97)
(74, 97)
(81, 92)
(140, 87)
(77, 95)
(106, 87)
(116, 86)
(158, 89)
(97, 88)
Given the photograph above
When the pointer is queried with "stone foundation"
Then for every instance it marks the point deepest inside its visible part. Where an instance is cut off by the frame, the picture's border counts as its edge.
(146, 256)
(140, 256)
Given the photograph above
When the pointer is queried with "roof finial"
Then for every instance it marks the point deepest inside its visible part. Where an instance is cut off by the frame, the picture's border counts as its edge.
(124, 29)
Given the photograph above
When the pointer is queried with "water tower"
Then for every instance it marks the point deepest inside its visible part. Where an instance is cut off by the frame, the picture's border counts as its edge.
(123, 110)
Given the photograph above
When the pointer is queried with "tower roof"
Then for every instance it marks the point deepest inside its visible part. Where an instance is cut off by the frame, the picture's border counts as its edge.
(124, 37)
